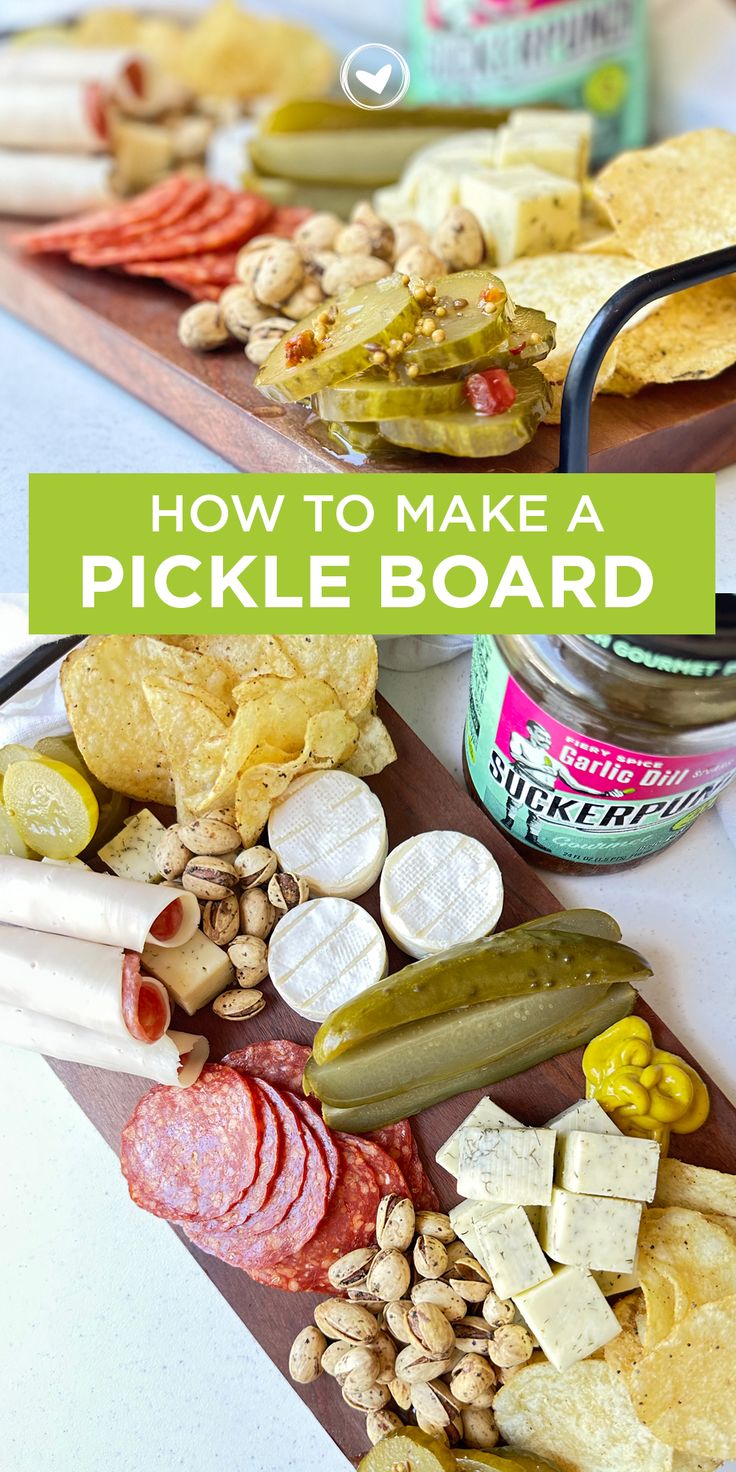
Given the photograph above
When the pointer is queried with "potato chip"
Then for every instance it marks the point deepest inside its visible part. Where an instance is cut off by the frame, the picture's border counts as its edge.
(193, 726)
(375, 749)
(684, 1462)
(102, 685)
(625, 1351)
(270, 710)
(580, 1419)
(697, 1257)
(726, 1223)
(248, 654)
(660, 1299)
(329, 738)
(675, 201)
(685, 1390)
(348, 662)
(601, 243)
(693, 335)
(696, 1187)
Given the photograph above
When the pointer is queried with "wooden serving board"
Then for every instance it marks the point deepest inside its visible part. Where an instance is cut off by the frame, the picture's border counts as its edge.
(418, 794)
(126, 328)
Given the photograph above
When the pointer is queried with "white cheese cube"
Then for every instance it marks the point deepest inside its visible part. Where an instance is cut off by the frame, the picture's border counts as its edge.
(510, 1252)
(131, 854)
(488, 1116)
(568, 1315)
(562, 153)
(522, 212)
(553, 120)
(508, 1166)
(591, 1231)
(193, 973)
(608, 1165)
(611, 1283)
(586, 1115)
(467, 1217)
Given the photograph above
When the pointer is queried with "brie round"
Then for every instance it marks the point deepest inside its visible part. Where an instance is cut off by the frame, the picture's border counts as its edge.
(439, 890)
(331, 829)
(323, 953)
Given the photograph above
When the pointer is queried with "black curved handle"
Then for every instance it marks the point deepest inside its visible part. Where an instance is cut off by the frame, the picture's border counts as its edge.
(605, 327)
(34, 664)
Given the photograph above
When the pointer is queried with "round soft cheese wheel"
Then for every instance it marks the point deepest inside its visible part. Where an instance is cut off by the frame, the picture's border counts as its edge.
(439, 890)
(324, 953)
(331, 829)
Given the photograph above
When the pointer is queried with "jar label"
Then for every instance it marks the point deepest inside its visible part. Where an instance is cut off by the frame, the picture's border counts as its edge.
(582, 799)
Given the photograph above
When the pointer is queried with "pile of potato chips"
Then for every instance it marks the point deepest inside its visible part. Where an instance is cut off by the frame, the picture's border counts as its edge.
(648, 208)
(662, 1398)
(224, 723)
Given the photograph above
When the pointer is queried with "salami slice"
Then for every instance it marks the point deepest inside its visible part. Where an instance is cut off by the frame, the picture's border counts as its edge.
(189, 1153)
(61, 236)
(278, 1061)
(211, 267)
(242, 219)
(212, 208)
(202, 292)
(388, 1176)
(422, 1191)
(146, 1010)
(350, 1222)
(288, 1183)
(398, 1142)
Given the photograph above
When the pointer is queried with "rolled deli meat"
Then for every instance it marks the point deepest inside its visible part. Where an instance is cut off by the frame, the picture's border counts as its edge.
(126, 76)
(176, 1059)
(66, 900)
(45, 185)
(61, 117)
(77, 981)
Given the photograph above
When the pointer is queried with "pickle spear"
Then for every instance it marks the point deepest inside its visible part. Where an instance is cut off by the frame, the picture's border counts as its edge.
(511, 1458)
(371, 314)
(463, 433)
(584, 922)
(592, 1016)
(513, 963)
(374, 396)
(469, 331)
(472, 1461)
(408, 1449)
(435, 1050)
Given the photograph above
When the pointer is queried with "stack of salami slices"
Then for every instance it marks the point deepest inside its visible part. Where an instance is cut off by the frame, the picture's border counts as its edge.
(246, 1165)
(186, 232)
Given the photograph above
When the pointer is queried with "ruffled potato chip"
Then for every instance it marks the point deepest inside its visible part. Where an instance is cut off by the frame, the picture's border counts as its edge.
(675, 201)
(696, 1187)
(348, 662)
(693, 1254)
(330, 737)
(248, 654)
(194, 727)
(685, 1390)
(375, 749)
(271, 711)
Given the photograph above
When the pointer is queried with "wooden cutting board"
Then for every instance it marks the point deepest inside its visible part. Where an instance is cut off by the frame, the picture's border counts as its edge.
(126, 329)
(418, 794)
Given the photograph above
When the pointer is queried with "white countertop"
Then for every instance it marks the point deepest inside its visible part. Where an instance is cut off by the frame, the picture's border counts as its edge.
(116, 1351)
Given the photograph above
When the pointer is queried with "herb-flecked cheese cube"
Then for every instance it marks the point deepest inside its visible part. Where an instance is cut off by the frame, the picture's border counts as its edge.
(586, 1115)
(193, 973)
(468, 1215)
(578, 124)
(591, 1231)
(608, 1165)
(510, 1252)
(568, 1315)
(522, 212)
(131, 854)
(610, 1283)
(510, 1167)
(560, 152)
(486, 1115)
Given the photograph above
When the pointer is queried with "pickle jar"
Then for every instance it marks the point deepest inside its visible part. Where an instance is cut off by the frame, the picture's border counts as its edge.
(596, 752)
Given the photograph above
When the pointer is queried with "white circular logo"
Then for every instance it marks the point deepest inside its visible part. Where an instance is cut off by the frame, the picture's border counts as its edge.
(375, 76)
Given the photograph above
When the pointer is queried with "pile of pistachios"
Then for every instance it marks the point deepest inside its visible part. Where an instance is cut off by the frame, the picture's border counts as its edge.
(241, 893)
(419, 1336)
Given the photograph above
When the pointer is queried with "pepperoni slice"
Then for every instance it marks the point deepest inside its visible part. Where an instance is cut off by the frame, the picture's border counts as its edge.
(389, 1178)
(422, 1191)
(193, 1152)
(166, 925)
(63, 233)
(211, 267)
(242, 215)
(278, 1061)
(146, 1012)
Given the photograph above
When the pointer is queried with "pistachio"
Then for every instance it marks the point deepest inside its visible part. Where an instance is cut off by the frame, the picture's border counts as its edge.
(305, 1356)
(435, 1224)
(430, 1330)
(221, 919)
(497, 1311)
(471, 1290)
(349, 1321)
(279, 272)
(172, 856)
(436, 1409)
(479, 1428)
(381, 1423)
(420, 260)
(370, 1398)
(395, 1319)
(406, 234)
(386, 1350)
(434, 1290)
(319, 232)
(395, 1222)
(256, 865)
(209, 836)
(331, 1357)
(466, 1266)
(347, 272)
(400, 1393)
(414, 1365)
(238, 1004)
(430, 1257)
(303, 301)
(201, 328)
(286, 891)
(210, 878)
(459, 240)
(257, 914)
(241, 313)
(359, 1364)
(249, 956)
(352, 1269)
(361, 1295)
(473, 1335)
(473, 1380)
(454, 1251)
(511, 1345)
(353, 240)
(259, 349)
(389, 1275)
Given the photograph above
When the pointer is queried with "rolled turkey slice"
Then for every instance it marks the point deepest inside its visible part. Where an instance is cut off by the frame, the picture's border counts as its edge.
(125, 74)
(66, 900)
(177, 1058)
(77, 981)
(64, 117)
(45, 185)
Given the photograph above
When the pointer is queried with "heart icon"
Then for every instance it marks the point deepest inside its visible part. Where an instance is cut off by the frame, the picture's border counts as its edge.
(375, 81)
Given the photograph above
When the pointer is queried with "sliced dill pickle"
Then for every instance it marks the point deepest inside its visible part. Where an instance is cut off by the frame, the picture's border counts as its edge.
(531, 338)
(373, 396)
(436, 1050)
(511, 1457)
(462, 432)
(312, 114)
(502, 1460)
(363, 439)
(411, 1449)
(583, 922)
(593, 1015)
(470, 331)
(513, 963)
(371, 314)
(348, 156)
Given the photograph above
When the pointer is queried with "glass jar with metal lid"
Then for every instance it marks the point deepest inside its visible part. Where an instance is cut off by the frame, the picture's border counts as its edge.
(596, 752)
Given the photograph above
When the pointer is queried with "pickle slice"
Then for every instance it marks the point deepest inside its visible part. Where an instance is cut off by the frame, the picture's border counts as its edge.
(352, 155)
(10, 839)
(531, 338)
(594, 1016)
(512, 1458)
(408, 1449)
(371, 314)
(438, 1049)
(362, 439)
(470, 332)
(54, 810)
(513, 963)
(373, 396)
(502, 1460)
(463, 433)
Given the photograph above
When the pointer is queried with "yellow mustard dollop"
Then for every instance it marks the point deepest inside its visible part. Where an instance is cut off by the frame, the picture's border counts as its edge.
(646, 1091)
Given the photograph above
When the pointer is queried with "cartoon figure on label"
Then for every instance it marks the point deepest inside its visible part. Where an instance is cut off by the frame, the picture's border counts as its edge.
(531, 757)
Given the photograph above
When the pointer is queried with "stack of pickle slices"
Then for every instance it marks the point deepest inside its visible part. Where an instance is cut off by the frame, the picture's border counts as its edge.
(388, 365)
